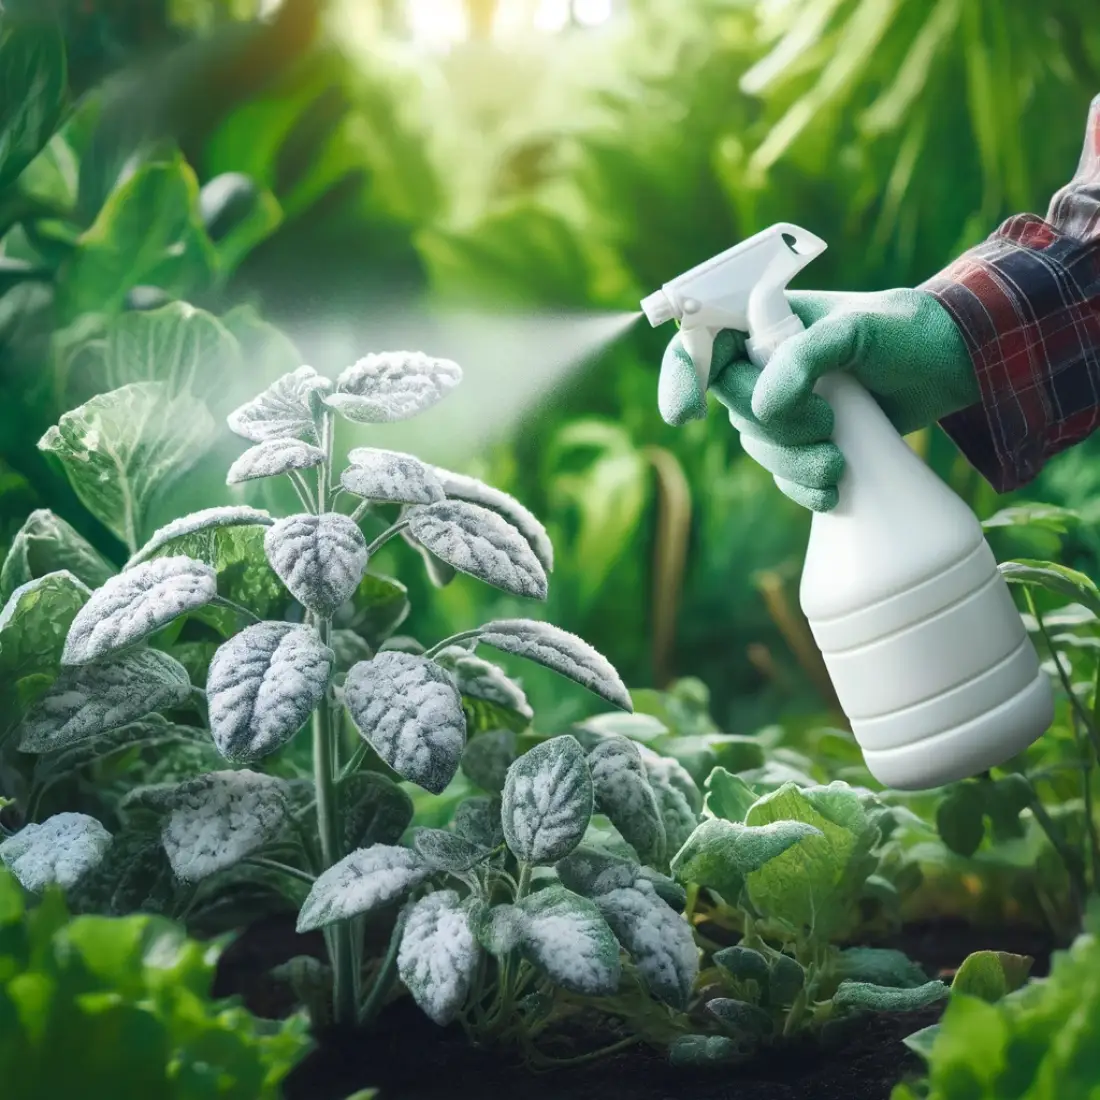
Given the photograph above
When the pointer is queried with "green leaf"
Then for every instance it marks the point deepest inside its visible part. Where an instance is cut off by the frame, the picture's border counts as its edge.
(702, 753)
(487, 758)
(35, 622)
(444, 851)
(238, 216)
(1048, 517)
(747, 1022)
(376, 810)
(148, 233)
(122, 449)
(959, 819)
(921, 1042)
(990, 975)
(743, 964)
(786, 981)
(379, 605)
(720, 854)
(727, 795)
(624, 795)
(33, 90)
(185, 348)
(879, 966)
(133, 877)
(818, 882)
(1054, 578)
(880, 998)
(47, 544)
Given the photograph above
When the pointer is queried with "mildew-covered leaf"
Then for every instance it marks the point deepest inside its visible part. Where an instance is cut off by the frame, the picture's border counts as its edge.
(668, 771)
(214, 821)
(263, 685)
(477, 820)
(469, 489)
(477, 541)
(786, 980)
(366, 879)
(743, 964)
(439, 956)
(135, 604)
(134, 876)
(547, 801)
(87, 700)
(591, 872)
(624, 795)
(61, 850)
(567, 938)
(487, 758)
(481, 679)
(186, 534)
(498, 928)
(349, 648)
(376, 810)
(389, 386)
(34, 624)
(282, 410)
(410, 711)
(444, 851)
(659, 940)
(855, 996)
(391, 476)
(47, 544)
(320, 559)
(557, 649)
(746, 1021)
(272, 458)
(668, 889)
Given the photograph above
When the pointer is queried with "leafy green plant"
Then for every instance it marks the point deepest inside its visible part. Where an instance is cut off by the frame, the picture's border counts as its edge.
(116, 1006)
(94, 671)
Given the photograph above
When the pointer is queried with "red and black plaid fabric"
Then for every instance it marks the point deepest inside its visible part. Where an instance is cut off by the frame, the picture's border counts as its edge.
(1027, 302)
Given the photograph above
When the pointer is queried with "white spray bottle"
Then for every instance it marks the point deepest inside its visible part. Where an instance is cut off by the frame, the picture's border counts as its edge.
(925, 648)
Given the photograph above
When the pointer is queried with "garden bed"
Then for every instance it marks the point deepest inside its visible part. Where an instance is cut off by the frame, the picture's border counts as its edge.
(407, 1057)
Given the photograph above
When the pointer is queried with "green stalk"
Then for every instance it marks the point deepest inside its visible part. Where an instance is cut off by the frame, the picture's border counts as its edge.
(383, 980)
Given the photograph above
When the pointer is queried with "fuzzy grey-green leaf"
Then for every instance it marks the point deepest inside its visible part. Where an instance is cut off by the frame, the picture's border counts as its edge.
(135, 604)
(624, 795)
(390, 476)
(207, 520)
(389, 386)
(410, 711)
(547, 801)
(321, 559)
(498, 928)
(481, 679)
(47, 544)
(444, 851)
(477, 819)
(282, 410)
(262, 686)
(272, 458)
(746, 1020)
(487, 758)
(61, 850)
(879, 998)
(87, 700)
(376, 810)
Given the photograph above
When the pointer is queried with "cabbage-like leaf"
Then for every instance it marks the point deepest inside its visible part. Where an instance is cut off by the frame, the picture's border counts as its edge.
(206, 521)
(282, 410)
(321, 559)
(390, 386)
(214, 821)
(547, 801)
(659, 940)
(567, 938)
(469, 489)
(272, 458)
(488, 757)
(135, 604)
(477, 541)
(624, 795)
(560, 651)
(410, 711)
(47, 544)
(364, 880)
(438, 956)
(59, 851)
(263, 685)
(87, 700)
(390, 476)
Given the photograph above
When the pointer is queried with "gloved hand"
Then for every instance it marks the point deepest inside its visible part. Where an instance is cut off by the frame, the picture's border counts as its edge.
(900, 344)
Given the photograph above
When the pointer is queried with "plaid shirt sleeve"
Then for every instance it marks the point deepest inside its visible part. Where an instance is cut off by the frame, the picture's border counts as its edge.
(1027, 302)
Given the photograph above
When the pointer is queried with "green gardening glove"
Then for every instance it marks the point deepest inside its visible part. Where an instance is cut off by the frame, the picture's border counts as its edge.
(900, 344)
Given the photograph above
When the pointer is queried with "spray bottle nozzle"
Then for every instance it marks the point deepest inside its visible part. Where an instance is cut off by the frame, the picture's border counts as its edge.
(657, 308)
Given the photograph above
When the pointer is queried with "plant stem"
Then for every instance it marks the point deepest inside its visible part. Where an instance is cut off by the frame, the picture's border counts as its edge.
(237, 608)
(383, 980)
(361, 509)
(353, 763)
(461, 636)
(543, 1061)
(301, 487)
(385, 537)
(282, 868)
(1067, 855)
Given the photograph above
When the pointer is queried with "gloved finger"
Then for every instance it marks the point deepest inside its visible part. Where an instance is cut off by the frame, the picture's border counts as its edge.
(679, 396)
(787, 381)
(816, 466)
(817, 500)
(734, 388)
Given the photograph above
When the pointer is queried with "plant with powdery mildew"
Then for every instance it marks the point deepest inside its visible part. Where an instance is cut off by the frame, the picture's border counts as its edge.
(107, 655)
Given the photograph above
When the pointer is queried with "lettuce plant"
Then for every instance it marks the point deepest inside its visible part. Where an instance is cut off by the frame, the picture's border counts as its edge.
(95, 668)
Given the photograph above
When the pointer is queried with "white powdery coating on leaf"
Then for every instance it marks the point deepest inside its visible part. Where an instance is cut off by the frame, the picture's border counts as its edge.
(274, 457)
(321, 559)
(560, 651)
(390, 476)
(216, 820)
(61, 850)
(262, 686)
(410, 711)
(565, 936)
(623, 793)
(658, 939)
(229, 515)
(547, 801)
(394, 385)
(282, 410)
(438, 956)
(135, 604)
(481, 679)
(477, 541)
(462, 487)
(361, 881)
(87, 700)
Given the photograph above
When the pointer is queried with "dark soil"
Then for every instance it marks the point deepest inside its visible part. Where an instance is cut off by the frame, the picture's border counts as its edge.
(406, 1057)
